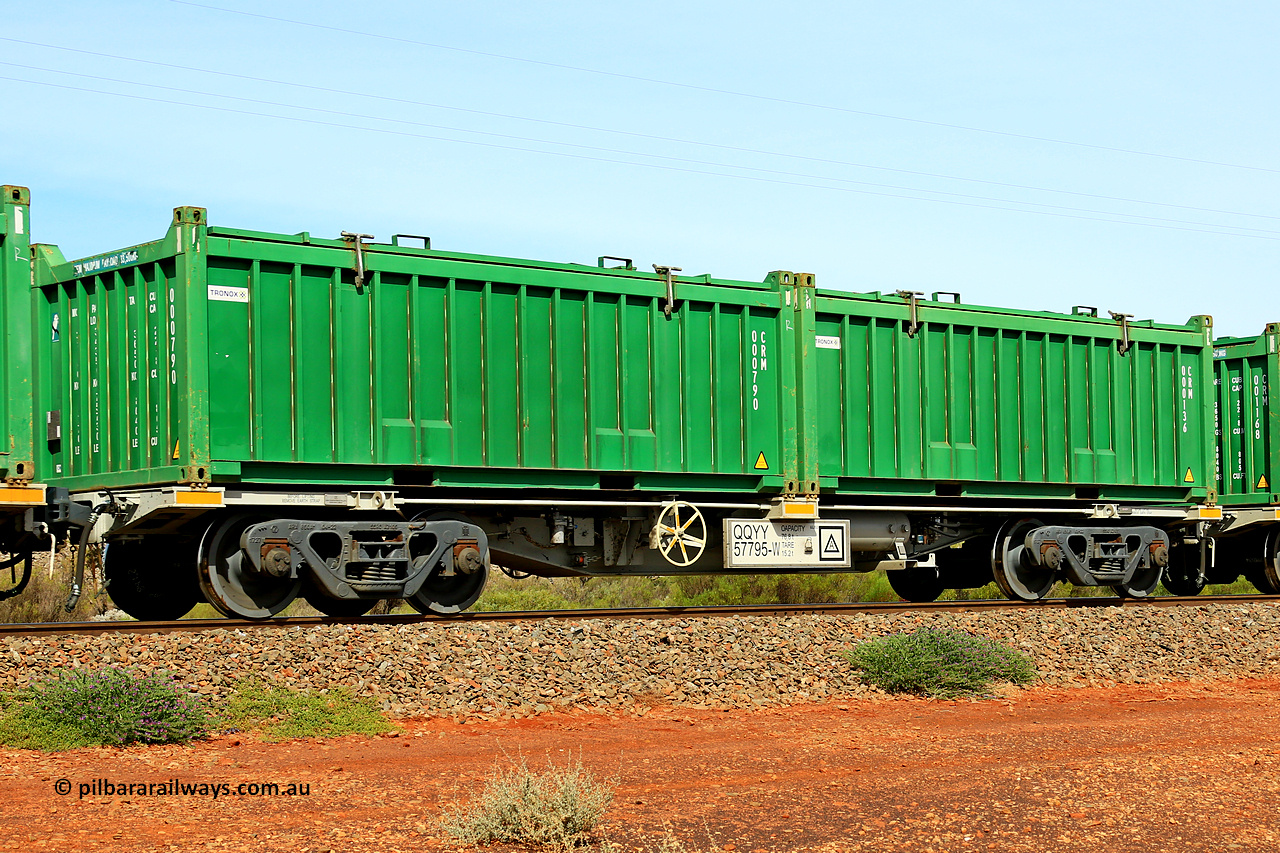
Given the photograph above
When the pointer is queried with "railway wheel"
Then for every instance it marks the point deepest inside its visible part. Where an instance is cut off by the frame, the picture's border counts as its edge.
(15, 574)
(151, 579)
(1267, 577)
(966, 567)
(918, 583)
(448, 592)
(330, 606)
(1182, 576)
(1142, 585)
(446, 595)
(1016, 573)
(229, 580)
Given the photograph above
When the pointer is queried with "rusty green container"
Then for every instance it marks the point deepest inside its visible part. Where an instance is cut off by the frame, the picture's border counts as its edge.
(1248, 430)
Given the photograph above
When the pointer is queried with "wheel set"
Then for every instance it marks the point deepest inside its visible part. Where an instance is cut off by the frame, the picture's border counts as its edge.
(1024, 575)
(162, 578)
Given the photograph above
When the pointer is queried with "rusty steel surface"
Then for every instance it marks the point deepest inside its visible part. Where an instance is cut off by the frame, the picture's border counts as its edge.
(195, 625)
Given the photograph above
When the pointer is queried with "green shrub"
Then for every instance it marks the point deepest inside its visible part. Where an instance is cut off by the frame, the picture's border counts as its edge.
(529, 597)
(940, 663)
(569, 593)
(712, 590)
(557, 808)
(108, 706)
(281, 713)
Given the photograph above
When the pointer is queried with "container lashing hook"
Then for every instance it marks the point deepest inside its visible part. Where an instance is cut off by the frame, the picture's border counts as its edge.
(671, 286)
(1123, 319)
(912, 297)
(354, 239)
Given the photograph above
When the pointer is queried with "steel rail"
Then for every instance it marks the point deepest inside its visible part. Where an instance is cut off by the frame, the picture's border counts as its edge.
(197, 625)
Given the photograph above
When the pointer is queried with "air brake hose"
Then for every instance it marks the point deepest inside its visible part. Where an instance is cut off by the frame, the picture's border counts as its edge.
(77, 583)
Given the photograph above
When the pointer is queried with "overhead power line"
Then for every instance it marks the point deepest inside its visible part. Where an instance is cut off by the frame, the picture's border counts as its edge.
(619, 132)
(1207, 229)
(719, 91)
(605, 150)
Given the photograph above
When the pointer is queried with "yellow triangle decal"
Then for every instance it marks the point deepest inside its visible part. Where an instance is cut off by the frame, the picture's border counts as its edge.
(1190, 478)
(1262, 482)
(175, 450)
(761, 464)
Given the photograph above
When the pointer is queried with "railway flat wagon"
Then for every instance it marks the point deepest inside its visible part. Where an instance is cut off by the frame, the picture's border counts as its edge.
(246, 417)
(1016, 421)
(269, 408)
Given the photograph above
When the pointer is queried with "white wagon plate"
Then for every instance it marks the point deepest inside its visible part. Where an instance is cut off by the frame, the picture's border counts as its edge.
(771, 544)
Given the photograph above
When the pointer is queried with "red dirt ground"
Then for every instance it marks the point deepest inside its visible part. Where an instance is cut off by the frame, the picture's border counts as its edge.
(1143, 768)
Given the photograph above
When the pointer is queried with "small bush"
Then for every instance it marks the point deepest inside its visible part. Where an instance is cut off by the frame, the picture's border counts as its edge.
(112, 706)
(557, 808)
(711, 590)
(46, 593)
(940, 663)
(281, 713)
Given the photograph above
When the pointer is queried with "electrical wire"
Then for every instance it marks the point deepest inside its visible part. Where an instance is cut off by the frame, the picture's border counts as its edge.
(616, 131)
(1209, 229)
(718, 91)
(713, 164)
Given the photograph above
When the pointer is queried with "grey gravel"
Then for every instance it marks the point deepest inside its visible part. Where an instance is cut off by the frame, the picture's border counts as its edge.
(491, 669)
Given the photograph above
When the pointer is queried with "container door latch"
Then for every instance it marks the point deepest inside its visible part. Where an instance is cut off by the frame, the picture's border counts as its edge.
(671, 287)
(355, 239)
(1123, 319)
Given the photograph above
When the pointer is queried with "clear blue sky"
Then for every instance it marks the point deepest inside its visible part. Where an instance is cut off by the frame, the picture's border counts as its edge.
(822, 171)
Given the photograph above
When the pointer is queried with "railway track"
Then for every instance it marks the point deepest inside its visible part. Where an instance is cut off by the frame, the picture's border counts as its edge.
(197, 625)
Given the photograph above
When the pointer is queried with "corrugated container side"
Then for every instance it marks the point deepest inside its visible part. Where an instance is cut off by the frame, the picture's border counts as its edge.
(978, 399)
(465, 366)
(1248, 430)
(17, 451)
(234, 355)
(126, 373)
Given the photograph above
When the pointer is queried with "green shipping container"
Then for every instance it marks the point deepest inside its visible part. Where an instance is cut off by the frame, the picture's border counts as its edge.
(221, 355)
(973, 401)
(225, 355)
(20, 498)
(1248, 431)
(17, 450)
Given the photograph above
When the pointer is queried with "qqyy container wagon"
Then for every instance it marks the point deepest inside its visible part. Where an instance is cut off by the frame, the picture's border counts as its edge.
(250, 416)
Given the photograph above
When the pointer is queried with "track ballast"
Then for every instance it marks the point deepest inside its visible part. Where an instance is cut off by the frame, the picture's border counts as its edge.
(198, 625)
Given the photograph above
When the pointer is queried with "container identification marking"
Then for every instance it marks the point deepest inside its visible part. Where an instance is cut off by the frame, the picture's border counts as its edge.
(221, 293)
(759, 364)
(1187, 382)
(106, 262)
(826, 341)
(763, 543)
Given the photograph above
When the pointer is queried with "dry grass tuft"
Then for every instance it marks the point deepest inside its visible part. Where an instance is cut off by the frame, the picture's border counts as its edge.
(555, 808)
